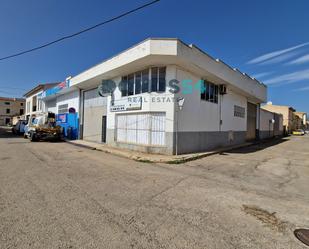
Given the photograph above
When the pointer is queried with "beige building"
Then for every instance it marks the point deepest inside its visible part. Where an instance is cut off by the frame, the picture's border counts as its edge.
(301, 120)
(10, 107)
(289, 120)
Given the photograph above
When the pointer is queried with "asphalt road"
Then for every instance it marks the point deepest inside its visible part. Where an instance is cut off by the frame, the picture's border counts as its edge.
(56, 195)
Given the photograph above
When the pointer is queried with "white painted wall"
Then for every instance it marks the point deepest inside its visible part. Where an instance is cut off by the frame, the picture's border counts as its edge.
(71, 98)
(30, 100)
(197, 114)
(201, 115)
(266, 117)
(235, 78)
(154, 102)
(229, 121)
(174, 51)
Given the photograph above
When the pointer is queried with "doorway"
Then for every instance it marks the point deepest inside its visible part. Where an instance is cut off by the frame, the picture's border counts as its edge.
(103, 129)
(251, 121)
(7, 121)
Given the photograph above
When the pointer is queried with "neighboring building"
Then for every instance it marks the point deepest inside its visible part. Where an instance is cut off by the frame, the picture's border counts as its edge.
(34, 103)
(10, 107)
(64, 101)
(145, 111)
(286, 112)
(271, 124)
(301, 120)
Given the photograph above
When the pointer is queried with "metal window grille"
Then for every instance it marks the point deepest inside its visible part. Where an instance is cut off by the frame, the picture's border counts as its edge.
(142, 128)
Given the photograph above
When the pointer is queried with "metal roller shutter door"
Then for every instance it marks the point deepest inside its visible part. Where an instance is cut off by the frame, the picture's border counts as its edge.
(251, 121)
(95, 107)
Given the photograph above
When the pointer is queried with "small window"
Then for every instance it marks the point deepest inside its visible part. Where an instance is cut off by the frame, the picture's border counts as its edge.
(210, 92)
(63, 108)
(145, 81)
(207, 92)
(162, 80)
(131, 84)
(124, 86)
(216, 94)
(21, 104)
(8, 111)
(138, 83)
(154, 79)
(7, 103)
(239, 111)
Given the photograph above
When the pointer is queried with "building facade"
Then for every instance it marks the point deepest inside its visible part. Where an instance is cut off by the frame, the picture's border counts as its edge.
(301, 120)
(9, 108)
(64, 101)
(289, 121)
(168, 97)
(271, 124)
(34, 103)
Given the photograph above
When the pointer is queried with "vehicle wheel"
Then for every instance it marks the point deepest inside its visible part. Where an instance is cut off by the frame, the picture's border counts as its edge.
(33, 137)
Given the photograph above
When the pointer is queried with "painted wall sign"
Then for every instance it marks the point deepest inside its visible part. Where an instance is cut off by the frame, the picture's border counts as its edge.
(128, 104)
(62, 118)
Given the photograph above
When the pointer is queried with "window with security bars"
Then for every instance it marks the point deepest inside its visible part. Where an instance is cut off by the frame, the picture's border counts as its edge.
(209, 92)
(142, 128)
(239, 111)
(63, 109)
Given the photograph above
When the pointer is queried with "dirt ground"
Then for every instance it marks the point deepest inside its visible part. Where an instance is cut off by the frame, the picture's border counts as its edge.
(56, 195)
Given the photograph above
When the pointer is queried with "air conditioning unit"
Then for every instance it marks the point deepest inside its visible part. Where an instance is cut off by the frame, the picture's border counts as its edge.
(222, 89)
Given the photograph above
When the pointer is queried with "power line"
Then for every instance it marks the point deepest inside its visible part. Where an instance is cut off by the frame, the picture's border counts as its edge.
(5, 92)
(80, 32)
(14, 88)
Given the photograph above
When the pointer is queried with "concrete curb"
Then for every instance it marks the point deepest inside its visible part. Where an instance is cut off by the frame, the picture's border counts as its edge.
(158, 158)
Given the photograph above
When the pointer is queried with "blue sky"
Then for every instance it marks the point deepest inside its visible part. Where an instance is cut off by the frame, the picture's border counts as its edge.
(266, 39)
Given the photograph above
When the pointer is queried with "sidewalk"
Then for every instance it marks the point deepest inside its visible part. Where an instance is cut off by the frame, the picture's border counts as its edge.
(151, 158)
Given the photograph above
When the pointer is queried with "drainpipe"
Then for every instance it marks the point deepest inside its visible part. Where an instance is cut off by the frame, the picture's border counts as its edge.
(176, 138)
(220, 112)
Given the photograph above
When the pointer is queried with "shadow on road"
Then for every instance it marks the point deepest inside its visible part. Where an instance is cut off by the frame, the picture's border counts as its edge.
(261, 145)
(6, 132)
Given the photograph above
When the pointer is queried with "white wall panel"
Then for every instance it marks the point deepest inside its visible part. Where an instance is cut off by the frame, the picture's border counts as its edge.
(72, 99)
(141, 128)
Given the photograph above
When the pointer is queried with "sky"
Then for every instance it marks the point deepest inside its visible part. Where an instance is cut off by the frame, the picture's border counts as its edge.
(268, 40)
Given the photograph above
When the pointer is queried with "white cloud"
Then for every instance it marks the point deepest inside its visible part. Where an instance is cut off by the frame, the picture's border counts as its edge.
(302, 89)
(289, 78)
(300, 60)
(280, 58)
(274, 54)
(261, 75)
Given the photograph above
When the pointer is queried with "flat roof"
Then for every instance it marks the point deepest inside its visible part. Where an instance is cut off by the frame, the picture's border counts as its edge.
(12, 99)
(286, 106)
(40, 87)
(173, 39)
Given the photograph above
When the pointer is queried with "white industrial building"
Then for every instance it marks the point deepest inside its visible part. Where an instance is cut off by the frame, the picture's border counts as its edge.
(147, 113)
(34, 103)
